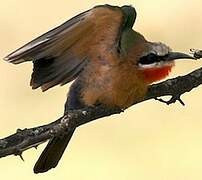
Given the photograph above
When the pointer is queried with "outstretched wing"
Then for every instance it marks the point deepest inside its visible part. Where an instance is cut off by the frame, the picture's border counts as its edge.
(61, 54)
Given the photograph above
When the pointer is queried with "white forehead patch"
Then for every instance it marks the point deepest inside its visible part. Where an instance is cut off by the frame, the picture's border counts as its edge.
(158, 48)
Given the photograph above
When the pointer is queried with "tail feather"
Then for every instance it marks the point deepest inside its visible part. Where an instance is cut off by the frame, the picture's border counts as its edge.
(52, 153)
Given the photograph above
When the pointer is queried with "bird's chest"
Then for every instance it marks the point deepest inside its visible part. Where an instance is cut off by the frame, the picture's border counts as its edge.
(118, 86)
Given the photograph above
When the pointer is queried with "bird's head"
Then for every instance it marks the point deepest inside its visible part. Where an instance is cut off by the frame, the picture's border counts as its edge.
(154, 60)
(157, 60)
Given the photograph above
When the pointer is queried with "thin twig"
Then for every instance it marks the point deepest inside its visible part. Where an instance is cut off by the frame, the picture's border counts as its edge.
(25, 139)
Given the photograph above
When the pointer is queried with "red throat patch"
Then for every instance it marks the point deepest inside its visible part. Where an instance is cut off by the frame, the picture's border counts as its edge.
(157, 73)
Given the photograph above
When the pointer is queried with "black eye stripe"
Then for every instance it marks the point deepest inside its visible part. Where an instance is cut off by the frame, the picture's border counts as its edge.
(150, 59)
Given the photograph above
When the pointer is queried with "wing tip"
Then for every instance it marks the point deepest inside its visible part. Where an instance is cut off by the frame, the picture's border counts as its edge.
(12, 59)
(35, 86)
(6, 58)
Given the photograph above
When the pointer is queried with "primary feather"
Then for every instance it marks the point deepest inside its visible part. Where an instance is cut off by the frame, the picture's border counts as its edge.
(91, 39)
(61, 54)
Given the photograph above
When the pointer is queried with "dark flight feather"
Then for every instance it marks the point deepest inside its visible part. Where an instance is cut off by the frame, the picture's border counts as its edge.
(58, 55)
(61, 54)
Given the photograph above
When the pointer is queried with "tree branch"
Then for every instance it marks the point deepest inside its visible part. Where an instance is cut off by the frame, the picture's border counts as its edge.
(28, 138)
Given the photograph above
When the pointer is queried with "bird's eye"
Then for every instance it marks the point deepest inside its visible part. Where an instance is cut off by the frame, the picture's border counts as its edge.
(149, 59)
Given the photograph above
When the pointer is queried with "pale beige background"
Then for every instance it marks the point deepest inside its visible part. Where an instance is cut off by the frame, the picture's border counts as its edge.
(148, 141)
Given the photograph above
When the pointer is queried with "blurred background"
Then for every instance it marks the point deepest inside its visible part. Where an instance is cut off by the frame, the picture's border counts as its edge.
(148, 141)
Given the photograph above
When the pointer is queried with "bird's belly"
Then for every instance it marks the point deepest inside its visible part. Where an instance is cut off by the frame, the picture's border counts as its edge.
(118, 87)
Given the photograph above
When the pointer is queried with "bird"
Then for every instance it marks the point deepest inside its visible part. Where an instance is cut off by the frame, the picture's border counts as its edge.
(108, 62)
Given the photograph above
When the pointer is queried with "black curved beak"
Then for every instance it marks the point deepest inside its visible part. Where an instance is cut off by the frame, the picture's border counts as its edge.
(177, 55)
